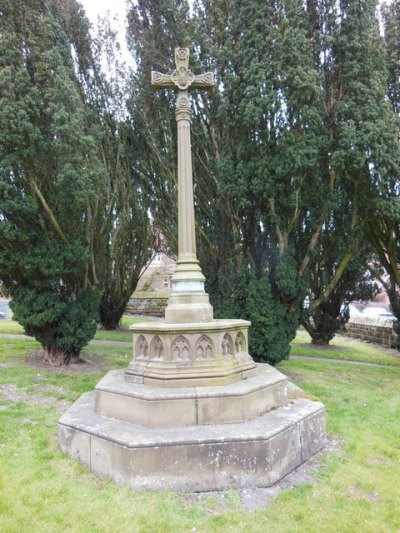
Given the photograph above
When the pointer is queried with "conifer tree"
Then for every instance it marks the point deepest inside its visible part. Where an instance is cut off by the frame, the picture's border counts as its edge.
(270, 138)
(155, 29)
(123, 222)
(383, 221)
(72, 161)
(286, 151)
(353, 82)
(49, 182)
(367, 149)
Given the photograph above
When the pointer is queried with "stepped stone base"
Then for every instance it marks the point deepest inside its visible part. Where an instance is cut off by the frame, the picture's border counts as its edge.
(251, 453)
(163, 407)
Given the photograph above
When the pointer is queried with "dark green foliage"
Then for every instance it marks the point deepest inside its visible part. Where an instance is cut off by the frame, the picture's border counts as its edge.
(248, 297)
(363, 154)
(266, 133)
(127, 237)
(382, 221)
(62, 322)
(49, 180)
(272, 326)
(42, 276)
(155, 28)
(67, 158)
(290, 135)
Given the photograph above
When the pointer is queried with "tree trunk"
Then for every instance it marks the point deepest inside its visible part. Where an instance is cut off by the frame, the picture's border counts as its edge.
(56, 357)
(394, 299)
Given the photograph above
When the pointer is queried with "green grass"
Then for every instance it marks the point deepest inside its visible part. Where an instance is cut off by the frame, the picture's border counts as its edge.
(41, 490)
(122, 334)
(10, 326)
(345, 349)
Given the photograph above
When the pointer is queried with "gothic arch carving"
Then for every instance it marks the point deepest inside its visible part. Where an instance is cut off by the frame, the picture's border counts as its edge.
(204, 347)
(227, 345)
(180, 348)
(240, 343)
(157, 350)
(141, 348)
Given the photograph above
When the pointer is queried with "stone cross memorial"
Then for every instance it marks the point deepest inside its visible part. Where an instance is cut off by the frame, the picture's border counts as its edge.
(192, 411)
(188, 277)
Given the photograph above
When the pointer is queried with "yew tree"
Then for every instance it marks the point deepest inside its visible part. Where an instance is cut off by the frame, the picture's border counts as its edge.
(50, 182)
(123, 224)
(75, 231)
(362, 146)
(382, 225)
(288, 151)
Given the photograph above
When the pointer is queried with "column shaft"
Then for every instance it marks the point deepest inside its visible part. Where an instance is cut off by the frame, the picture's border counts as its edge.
(186, 224)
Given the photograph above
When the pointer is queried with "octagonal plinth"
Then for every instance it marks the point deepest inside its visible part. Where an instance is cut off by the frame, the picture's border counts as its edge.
(190, 355)
(162, 407)
(196, 458)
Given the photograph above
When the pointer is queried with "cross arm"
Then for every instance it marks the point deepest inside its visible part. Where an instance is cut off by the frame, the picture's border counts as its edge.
(161, 81)
(203, 81)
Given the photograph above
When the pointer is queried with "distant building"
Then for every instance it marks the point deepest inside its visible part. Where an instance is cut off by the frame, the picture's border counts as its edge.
(151, 295)
(157, 276)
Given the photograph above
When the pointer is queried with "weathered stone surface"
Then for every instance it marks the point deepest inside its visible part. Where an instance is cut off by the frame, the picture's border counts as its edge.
(162, 407)
(190, 355)
(147, 306)
(75, 443)
(254, 453)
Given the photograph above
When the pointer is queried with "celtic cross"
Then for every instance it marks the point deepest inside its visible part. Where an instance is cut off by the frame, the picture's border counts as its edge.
(182, 78)
(188, 277)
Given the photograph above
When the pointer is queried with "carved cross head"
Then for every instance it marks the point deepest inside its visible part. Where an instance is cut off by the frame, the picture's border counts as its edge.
(182, 78)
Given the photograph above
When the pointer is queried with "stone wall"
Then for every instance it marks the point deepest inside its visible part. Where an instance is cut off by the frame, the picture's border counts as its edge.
(147, 304)
(376, 330)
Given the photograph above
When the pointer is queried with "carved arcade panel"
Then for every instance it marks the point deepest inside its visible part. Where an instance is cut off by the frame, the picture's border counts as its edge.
(204, 347)
(157, 350)
(240, 343)
(141, 348)
(180, 349)
(227, 345)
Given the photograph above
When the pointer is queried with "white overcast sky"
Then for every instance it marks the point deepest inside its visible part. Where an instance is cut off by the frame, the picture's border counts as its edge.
(94, 8)
(116, 8)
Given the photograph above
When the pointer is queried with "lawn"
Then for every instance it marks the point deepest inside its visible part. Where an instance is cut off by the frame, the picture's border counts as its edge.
(121, 334)
(41, 490)
(344, 349)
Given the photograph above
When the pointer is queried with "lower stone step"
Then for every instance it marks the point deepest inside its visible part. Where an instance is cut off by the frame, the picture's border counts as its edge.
(256, 453)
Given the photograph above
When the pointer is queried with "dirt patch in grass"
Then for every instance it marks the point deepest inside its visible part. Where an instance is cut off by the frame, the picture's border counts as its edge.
(10, 393)
(296, 377)
(357, 494)
(86, 364)
(251, 499)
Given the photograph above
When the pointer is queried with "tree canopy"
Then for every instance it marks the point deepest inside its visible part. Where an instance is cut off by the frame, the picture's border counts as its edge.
(290, 145)
(296, 162)
(74, 232)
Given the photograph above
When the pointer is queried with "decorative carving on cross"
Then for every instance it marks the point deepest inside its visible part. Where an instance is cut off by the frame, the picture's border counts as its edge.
(182, 78)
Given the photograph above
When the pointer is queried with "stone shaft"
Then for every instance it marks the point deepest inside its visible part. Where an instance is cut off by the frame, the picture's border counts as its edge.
(188, 302)
(187, 267)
